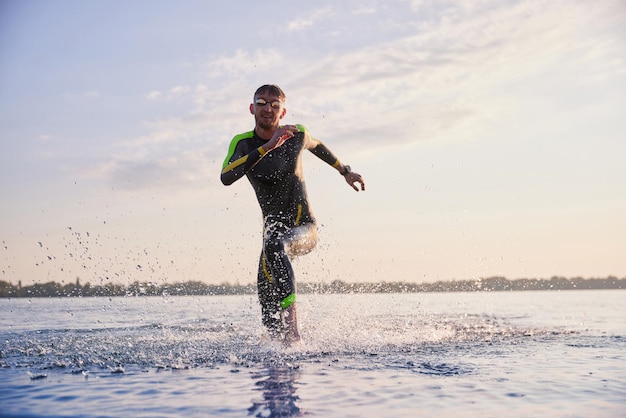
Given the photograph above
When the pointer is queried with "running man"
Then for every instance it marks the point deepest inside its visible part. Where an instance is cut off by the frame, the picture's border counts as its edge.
(271, 157)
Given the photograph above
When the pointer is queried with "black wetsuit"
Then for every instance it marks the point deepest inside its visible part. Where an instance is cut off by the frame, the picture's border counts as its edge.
(278, 182)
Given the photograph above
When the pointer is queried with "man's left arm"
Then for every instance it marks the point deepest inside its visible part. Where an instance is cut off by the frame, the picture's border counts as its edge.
(321, 151)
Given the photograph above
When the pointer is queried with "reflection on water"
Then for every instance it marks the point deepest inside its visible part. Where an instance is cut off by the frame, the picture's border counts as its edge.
(279, 392)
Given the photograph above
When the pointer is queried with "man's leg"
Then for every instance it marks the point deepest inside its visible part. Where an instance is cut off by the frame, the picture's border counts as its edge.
(276, 273)
(268, 297)
(292, 334)
(301, 240)
(277, 270)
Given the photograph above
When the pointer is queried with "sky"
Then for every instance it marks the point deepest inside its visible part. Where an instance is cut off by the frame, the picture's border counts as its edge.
(490, 134)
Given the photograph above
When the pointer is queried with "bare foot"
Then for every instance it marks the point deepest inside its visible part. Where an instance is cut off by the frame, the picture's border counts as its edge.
(291, 339)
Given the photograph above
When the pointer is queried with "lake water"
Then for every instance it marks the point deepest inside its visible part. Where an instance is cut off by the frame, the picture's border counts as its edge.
(363, 355)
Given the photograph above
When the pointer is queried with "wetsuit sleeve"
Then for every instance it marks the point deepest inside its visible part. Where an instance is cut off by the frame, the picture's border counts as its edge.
(320, 150)
(238, 162)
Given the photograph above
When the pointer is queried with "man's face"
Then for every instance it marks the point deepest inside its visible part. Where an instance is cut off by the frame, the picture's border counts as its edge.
(268, 110)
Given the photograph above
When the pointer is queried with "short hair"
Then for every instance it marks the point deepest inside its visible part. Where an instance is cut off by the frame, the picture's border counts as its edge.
(272, 89)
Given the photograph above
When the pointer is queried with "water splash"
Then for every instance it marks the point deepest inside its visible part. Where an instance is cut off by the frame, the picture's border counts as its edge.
(204, 343)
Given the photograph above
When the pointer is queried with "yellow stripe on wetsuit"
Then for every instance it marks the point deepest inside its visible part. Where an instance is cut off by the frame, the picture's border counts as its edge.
(289, 300)
(235, 164)
(299, 215)
(243, 160)
(265, 270)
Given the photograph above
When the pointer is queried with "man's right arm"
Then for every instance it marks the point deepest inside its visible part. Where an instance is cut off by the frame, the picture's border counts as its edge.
(236, 167)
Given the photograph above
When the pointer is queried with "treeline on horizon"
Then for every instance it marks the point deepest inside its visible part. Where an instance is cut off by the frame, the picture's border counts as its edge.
(197, 288)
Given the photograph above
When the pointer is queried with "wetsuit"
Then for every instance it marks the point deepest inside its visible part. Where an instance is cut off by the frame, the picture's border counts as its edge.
(288, 223)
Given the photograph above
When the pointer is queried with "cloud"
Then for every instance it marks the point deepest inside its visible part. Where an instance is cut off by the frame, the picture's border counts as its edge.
(447, 71)
(173, 153)
(178, 90)
(172, 93)
(154, 95)
(441, 75)
(364, 11)
(308, 22)
(179, 172)
(243, 63)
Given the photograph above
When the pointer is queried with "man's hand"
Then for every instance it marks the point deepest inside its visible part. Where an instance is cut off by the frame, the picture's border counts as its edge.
(353, 178)
(281, 135)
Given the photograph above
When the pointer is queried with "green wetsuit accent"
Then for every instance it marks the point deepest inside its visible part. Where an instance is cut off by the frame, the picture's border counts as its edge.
(288, 301)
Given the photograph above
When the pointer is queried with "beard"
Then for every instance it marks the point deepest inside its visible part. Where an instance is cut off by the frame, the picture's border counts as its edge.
(267, 123)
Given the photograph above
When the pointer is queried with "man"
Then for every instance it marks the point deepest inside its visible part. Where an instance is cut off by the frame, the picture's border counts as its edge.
(271, 157)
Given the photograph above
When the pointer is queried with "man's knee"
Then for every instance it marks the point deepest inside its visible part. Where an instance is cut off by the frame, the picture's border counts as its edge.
(302, 240)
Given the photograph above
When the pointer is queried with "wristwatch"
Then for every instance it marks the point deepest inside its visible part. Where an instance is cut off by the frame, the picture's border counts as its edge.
(346, 170)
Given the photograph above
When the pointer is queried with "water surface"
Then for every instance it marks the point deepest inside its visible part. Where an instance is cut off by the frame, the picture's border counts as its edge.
(428, 354)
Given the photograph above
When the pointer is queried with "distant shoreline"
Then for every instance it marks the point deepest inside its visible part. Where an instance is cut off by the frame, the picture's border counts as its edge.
(197, 288)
